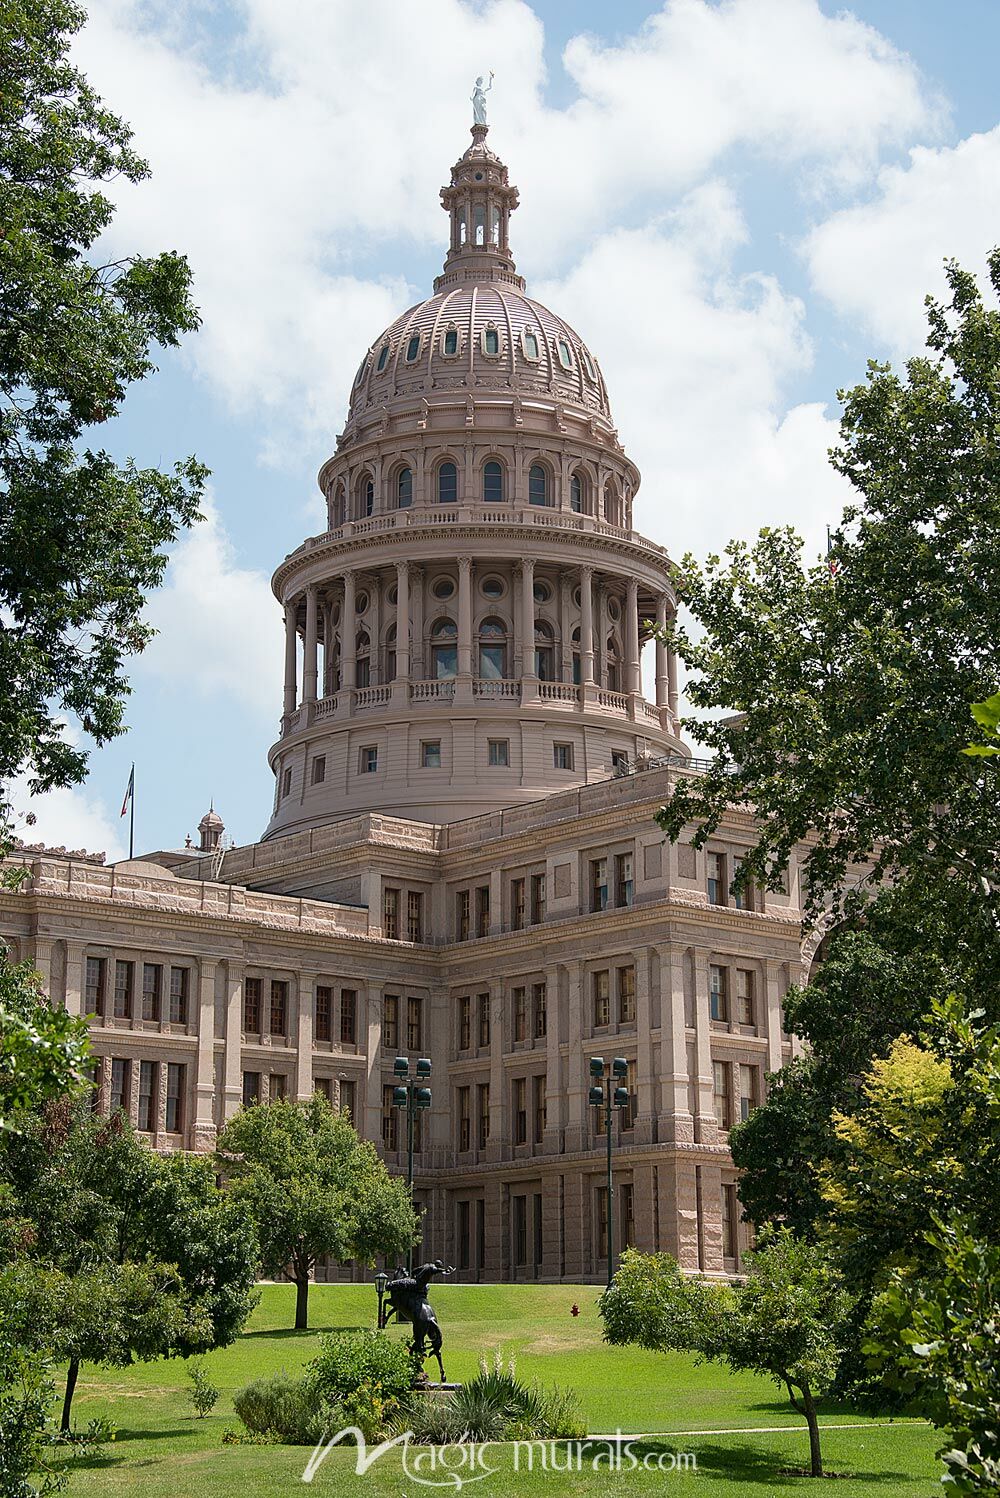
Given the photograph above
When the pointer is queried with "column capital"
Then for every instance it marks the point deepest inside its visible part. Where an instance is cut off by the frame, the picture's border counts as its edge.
(464, 564)
(632, 586)
(586, 570)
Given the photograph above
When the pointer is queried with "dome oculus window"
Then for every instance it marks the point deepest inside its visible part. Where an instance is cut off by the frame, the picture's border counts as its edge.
(443, 588)
(529, 344)
(565, 357)
(493, 587)
(404, 488)
(413, 348)
(361, 603)
(491, 341)
(542, 592)
(492, 483)
(538, 485)
(449, 344)
(383, 355)
(447, 484)
(614, 609)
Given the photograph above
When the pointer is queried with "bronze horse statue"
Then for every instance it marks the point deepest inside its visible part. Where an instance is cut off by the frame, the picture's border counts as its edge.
(408, 1302)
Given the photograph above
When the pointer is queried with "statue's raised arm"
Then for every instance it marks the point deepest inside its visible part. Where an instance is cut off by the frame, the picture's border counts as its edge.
(479, 101)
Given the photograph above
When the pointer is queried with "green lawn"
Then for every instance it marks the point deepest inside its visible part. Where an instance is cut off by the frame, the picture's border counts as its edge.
(163, 1451)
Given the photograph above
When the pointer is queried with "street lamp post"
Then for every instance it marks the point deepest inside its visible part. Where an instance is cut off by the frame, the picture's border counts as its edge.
(410, 1093)
(381, 1280)
(607, 1093)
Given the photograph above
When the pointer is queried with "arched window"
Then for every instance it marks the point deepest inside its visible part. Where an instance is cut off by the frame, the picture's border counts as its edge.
(337, 512)
(492, 650)
(565, 357)
(369, 496)
(413, 348)
(479, 223)
(383, 355)
(404, 488)
(576, 494)
(451, 341)
(390, 653)
(544, 651)
(363, 669)
(576, 658)
(361, 370)
(447, 484)
(494, 224)
(614, 664)
(463, 232)
(538, 485)
(588, 364)
(491, 341)
(530, 346)
(611, 504)
(444, 649)
(492, 483)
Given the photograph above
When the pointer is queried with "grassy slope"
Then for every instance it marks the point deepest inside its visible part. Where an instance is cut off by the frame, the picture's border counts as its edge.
(163, 1452)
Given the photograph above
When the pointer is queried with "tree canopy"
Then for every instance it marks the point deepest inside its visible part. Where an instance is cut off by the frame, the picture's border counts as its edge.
(43, 1051)
(314, 1189)
(82, 537)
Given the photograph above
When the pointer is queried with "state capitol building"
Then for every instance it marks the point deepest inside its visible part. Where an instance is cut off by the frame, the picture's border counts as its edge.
(462, 860)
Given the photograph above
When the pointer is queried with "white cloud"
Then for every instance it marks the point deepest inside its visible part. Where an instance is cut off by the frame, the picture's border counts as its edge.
(877, 261)
(74, 818)
(331, 126)
(699, 360)
(220, 636)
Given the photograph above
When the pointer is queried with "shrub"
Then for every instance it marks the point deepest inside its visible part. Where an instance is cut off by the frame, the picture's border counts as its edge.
(346, 1361)
(496, 1406)
(203, 1394)
(282, 1409)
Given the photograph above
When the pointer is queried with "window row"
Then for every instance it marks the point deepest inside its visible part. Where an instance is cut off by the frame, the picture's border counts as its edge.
(397, 902)
(724, 885)
(135, 1089)
(720, 1001)
(263, 1087)
(493, 488)
(473, 1125)
(451, 342)
(612, 881)
(163, 990)
(735, 1091)
(402, 1020)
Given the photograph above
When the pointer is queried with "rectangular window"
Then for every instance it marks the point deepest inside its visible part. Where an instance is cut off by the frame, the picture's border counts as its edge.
(538, 1004)
(324, 1086)
(626, 995)
(601, 1220)
(520, 1108)
(123, 990)
(537, 1255)
(540, 1114)
(716, 882)
(517, 905)
(562, 756)
(251, 1088)
(121, 1084)
(484, 1020)
(463, 902)
(97, 977)
(348, 1016)
(631, 1113)
(147, 1096)
(323, 1023)
(390, 1121)
(465, 1022)
(278, 1088)
(602, 998)
(623, 879)
(537, 899)
(319, 769)
(390, 1022)
(720, 1093)
(286, 784)
(743, 898)
(414, 916)
(464, 1234)
(368, 759)
(480, 1233)
(598, 884)
(430, 754)
(730, 1223)
(179, 995)
(251, 1005)
(363, 671)
(414, 1024)
(746, 1006)
(519, 1003)
(499, 752)
(520, 1205)
(627, 1216)
(619, 761)
(483, 1091)
(718, 993)
(347, 1095)
(483, 910)
(175, 1098)
(748, 1091)
(279, 1006)
(390, 914)
(464, 1118)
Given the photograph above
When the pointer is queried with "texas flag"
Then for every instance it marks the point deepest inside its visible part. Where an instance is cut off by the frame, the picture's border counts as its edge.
(128, 791)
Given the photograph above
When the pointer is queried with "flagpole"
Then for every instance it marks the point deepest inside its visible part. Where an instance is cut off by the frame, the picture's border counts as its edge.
(131, 818)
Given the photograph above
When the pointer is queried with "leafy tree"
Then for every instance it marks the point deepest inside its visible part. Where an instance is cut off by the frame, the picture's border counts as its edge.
(314, 1188)
(783, 1320)
(94, 1213)
(987, 715)
(26, 1393)
(43, 1051)
(81, 537)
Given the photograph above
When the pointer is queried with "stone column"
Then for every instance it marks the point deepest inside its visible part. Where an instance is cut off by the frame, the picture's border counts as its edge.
(577, 1079)
(465, 616)
(417, 664)
(772, 1020)
(587, 626)
(552, 1143)
(672, 685)
(309, 663)
(706, 1126)
(233, 1040)
(565, 672)
(676, 1123)
(632, 684)
(76, 977)
(662, 678)
(529, 679)
(498, 1146)
(645, 1077)
(327, 648)
(403, 623)
(306, 998)
(370, 1106)
(348, 634)
(203, 1131)
(291, 658)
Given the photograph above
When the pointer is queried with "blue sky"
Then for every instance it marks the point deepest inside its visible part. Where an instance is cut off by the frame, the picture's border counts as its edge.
(736, 202)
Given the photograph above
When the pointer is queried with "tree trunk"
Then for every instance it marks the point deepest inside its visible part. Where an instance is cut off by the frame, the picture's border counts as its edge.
(815, 1455)
(301, 1300)
(71, 1376)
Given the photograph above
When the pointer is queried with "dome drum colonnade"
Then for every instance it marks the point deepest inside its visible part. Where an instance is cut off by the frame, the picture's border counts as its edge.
(479, 557)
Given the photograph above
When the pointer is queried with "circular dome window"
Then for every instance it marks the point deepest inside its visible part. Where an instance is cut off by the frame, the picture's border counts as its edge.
(576, 596)
(614, 608)
(361, 603)
(542, 592)
(391, 595)
(443, 588)
(335, 616)
(493, 587)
